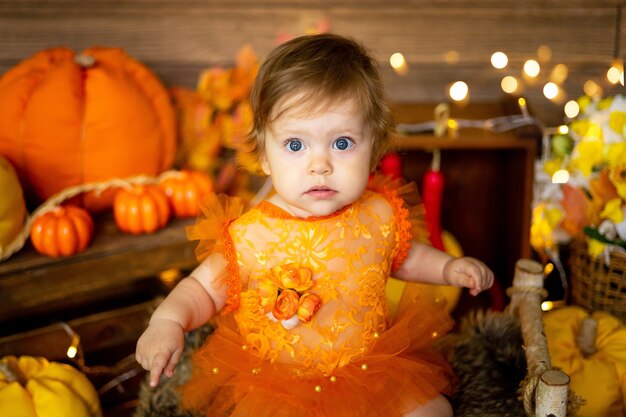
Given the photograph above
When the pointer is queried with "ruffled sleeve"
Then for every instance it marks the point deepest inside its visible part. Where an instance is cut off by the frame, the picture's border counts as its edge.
(409, 212)
(211, 229)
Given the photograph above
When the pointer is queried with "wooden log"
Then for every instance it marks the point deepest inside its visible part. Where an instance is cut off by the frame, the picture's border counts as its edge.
(527, 297)
(552, 391)
(547, 387)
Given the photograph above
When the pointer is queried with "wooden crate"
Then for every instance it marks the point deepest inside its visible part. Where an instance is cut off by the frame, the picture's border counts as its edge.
(105, 295)
(116, 270)
(489, 181)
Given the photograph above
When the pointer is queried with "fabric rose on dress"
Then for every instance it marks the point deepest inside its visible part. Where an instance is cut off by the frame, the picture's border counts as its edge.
(283, 295)
(268, 292)
(309, 303)
(286, 305)
(291, 276)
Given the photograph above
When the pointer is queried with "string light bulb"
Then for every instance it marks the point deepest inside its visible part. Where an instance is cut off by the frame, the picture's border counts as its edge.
(398, 63)
(72, 350)
(452, 57)
(560, 177)
(550, 90)
(499, 60)
(544, 53)
(532, 68)
(572, 109)
(521, 102)
(592, 89)
(509, 84)
(459, 91)
(615, 72)
(559, 74)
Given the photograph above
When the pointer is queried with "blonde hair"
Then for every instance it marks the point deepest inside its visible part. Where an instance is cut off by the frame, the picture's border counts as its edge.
(323, 69)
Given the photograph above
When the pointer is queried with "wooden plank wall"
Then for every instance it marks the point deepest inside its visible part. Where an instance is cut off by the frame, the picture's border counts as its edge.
(179, 38)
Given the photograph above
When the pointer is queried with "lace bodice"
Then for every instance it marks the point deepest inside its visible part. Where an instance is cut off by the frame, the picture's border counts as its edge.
(350, 255)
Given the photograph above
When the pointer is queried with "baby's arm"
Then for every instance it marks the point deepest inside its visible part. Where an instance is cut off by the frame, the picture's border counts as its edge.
(188, 306)
(429, 265)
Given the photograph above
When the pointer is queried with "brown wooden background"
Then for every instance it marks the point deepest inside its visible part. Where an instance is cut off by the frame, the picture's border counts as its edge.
(179, 38)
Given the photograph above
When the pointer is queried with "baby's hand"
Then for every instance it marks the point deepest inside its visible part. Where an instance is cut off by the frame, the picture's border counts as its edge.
(468, 272)
(159, 348)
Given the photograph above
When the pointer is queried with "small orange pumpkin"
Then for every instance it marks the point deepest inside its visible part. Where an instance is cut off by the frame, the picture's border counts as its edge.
(141, 209)
(62, 231)
(69, 119)
(184, 189)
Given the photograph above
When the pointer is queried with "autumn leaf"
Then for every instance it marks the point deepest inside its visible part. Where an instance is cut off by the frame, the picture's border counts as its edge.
(576, 206)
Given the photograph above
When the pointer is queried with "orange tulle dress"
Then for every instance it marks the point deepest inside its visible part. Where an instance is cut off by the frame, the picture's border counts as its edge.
(306, 330)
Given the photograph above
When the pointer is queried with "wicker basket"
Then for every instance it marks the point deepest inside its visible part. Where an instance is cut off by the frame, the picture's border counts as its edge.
(596, 286)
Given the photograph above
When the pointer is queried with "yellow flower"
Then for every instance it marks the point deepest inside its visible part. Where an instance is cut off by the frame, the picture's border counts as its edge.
(617, 175)
(617, 119)
(616, 157)
(588, 153)
(544, 221)
(583, 102)
(605, 103)
(613, 211)
(616, 153)
(595, 248)
(552, 166)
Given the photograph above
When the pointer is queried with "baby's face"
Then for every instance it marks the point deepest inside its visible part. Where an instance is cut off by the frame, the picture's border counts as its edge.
(319, 162)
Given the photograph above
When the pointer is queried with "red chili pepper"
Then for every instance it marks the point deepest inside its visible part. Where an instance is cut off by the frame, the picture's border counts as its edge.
(433, 183)
(391, 165)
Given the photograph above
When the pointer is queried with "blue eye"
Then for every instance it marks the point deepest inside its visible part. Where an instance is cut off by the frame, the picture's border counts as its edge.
(343, 144)
(294, 145)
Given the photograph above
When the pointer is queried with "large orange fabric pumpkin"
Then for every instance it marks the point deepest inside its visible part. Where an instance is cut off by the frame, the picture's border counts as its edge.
(64, 123)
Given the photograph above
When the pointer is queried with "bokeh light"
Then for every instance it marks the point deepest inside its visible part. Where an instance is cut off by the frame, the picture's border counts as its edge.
(452, 57)
(499, 60)
(559, 74)
(544, 53)
(532, 68)
(550, 90)
(398, 63)
(560, 177)
(572, 109)
(509, 84)
(592, 89)
(459, 91)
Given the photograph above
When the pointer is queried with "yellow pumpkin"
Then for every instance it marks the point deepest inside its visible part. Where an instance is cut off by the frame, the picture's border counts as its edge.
(396, 290)
(12, 207)
(599, 377)
(34, 387)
